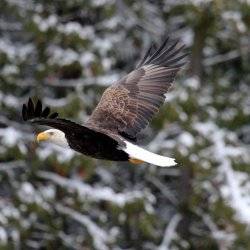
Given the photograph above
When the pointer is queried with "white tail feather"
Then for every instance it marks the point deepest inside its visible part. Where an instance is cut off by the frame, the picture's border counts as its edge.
(139, 153)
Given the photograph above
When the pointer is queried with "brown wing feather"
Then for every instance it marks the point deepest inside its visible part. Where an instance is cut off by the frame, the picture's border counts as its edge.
(127, 106)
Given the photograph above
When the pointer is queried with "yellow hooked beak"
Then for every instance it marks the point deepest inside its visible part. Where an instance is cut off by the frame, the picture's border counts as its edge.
(42, 137)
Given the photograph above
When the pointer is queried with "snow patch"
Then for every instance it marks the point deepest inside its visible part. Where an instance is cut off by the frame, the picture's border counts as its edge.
(192, 83)
(10, 136)
(62, 154)
(233, 189)
(186, 139)
(3, 236)
(88, 192)
(15, 51)
(45, 23)
(86, 32)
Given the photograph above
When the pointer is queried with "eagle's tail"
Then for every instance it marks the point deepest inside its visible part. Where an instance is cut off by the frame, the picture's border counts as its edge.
(138, 155)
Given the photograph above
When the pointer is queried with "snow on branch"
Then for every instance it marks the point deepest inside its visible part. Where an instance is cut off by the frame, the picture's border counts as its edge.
(103, 80)
(170, 232)
(10, 26)
(163, 189)
(224, 239)
(232, 190)
(221, 58)
(23, 4)
(6, 166)
(86, 191)
(15, 51)
(100, 237)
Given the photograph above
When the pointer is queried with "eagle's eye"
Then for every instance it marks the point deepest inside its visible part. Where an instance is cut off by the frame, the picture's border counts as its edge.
(51, 133)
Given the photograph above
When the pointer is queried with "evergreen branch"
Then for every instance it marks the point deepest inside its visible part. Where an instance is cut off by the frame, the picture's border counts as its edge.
(91, 193)
(99, 236)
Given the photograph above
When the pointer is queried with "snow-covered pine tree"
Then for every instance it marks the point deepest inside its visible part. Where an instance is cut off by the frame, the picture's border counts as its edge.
(66, 53)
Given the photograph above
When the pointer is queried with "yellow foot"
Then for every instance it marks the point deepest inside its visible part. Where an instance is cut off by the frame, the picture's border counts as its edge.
(135, 161)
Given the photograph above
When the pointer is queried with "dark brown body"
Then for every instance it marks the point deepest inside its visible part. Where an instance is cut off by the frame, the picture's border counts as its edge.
(94, 146)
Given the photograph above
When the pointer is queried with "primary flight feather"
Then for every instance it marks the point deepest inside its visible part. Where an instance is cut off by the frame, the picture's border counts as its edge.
(126, 107)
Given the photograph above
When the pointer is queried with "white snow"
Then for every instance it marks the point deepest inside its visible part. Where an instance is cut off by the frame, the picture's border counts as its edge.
(10, 136)
(8, 211)
(53, 102)
(62, 154)
(102, 2)
(183, 95)
(61, 56)
(170, 233)
(45, 23)
(160, 142)
(187, 37)
(232, 189)
(199, 2)
(103, 44)
(27, 193)
(48, 192)
(22, 4)
(84, 32)
(237, 18)
(224, 238)
(86, 58)
(11, 101)
(88, 192)
(67, 56)
(186, 139)
(3, 236)
(15, 52)
(99, 235)
(192, 83)
(9, 69)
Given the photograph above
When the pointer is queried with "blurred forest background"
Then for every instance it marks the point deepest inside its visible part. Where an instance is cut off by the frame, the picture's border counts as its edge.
(67, 53)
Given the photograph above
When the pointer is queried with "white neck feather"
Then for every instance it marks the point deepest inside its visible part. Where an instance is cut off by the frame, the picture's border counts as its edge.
(56, 136)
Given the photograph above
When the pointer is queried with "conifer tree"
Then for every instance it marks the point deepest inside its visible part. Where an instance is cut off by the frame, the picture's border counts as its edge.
(66, 53)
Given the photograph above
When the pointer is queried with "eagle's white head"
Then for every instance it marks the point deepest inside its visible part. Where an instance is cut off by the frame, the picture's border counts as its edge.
(55, 136)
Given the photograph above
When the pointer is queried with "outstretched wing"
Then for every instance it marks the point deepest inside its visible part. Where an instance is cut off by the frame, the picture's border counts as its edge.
(37, 115)
(127, 106)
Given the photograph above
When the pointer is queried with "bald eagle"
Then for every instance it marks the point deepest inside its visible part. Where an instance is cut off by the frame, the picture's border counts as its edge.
(125, 108)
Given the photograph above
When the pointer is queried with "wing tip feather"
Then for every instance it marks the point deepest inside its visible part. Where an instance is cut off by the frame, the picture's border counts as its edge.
(168, 51)
(31, 111)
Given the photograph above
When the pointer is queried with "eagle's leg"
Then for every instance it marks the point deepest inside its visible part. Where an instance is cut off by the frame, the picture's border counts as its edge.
(135, 161)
